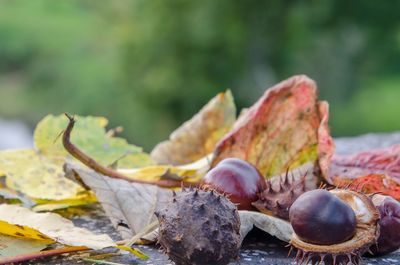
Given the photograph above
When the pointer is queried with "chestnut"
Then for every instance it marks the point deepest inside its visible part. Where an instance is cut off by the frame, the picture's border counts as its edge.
(319, 217)
(239, 180)
(334, 227)
(389, 237)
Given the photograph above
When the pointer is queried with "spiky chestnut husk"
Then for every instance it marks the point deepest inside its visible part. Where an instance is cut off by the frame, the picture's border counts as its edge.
(277, 201)
(199, 227)
(389, 238)
(351, 250)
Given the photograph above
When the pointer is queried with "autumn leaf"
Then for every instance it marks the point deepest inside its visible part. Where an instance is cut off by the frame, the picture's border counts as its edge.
(13, 197)
(48, 227)
(197, 137)
(22, 232)
(82, 198)
(12, 246)
(379, 161)
(90, 135)
(285, 128)
(38, 172)
(130, 206)
(37, 176)
(371, 183)
(375, 170)
(192, 172)
(274, 226)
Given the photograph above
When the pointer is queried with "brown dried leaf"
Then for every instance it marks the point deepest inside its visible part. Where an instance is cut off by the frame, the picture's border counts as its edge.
(285, 128)
(130, 206)
(197, 137)
(270, 224)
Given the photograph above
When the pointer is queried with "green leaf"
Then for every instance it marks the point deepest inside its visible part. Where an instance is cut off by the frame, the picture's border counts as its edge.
(90, 135)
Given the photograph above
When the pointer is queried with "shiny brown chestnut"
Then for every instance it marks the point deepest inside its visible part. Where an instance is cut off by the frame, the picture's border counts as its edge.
(389, 238)
(319, 217)
(354, 239)
(238, 179)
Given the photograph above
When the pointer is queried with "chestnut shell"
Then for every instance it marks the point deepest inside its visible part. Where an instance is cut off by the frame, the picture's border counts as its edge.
(277, 201)
(199, 227)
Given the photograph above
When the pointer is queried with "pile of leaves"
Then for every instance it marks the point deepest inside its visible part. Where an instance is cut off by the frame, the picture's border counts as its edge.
(286, 129)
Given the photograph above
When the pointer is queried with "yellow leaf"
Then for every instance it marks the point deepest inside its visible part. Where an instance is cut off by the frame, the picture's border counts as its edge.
(190, 173)
(37, 176)
(52, 205)
(39, 173)
(197, 137)
(22, 232)
(134, 251)
(47, 226)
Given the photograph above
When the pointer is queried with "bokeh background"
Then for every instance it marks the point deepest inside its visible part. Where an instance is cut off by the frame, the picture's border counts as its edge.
(150, 65)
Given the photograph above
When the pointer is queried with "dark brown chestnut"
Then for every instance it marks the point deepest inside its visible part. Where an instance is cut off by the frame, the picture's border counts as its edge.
(319, 217)
(389, 237)
(238, 179)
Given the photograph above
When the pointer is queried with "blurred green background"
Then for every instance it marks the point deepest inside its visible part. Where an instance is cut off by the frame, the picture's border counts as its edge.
(150, 65)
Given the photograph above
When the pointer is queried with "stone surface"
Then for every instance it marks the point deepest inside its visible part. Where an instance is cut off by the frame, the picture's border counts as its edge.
(258, 248)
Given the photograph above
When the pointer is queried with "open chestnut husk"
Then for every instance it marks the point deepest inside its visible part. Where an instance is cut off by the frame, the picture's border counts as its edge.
(334, 227)
(277, 200)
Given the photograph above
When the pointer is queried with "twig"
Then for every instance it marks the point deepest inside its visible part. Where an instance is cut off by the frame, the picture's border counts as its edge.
(41, 254)
(90, 162)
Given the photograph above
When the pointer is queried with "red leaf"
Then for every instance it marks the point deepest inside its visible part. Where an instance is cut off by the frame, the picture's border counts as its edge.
(286, 127)
(371, 184)
(379, 161)
(371, 171)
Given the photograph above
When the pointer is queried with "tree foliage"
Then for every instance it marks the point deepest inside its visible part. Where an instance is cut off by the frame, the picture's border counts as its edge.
(149, 65)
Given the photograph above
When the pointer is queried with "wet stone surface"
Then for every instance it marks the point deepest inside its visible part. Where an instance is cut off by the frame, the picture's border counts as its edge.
(258, 247)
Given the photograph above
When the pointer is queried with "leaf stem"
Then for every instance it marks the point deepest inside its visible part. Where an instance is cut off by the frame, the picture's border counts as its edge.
(93, 164)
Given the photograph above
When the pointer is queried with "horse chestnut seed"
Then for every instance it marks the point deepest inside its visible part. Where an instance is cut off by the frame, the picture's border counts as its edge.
(319, 217)
(238, 179)
(389, 237)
